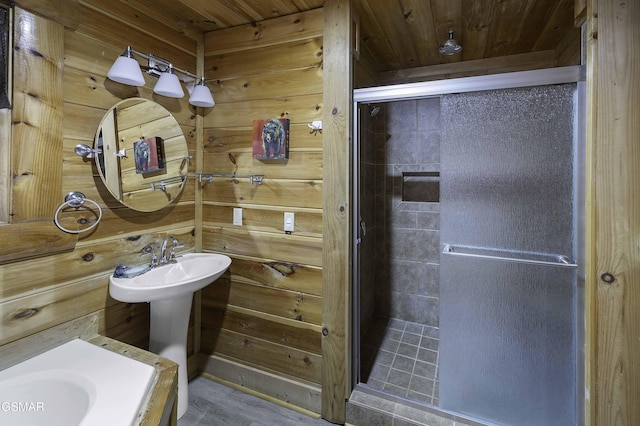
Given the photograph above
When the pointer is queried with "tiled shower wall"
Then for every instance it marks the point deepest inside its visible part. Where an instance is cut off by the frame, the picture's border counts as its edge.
(403, 138)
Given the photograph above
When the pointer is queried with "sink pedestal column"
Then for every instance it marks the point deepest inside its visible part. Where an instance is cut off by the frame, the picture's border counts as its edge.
(168, 338)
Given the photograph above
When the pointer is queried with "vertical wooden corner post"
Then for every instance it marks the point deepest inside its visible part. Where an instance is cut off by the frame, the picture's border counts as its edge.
(337, 88)
(613, 222)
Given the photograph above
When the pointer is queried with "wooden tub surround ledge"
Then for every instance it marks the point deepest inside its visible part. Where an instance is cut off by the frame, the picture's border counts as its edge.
(161, 405)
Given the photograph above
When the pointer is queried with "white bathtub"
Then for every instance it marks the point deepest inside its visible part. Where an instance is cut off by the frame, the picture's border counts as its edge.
(76, 383)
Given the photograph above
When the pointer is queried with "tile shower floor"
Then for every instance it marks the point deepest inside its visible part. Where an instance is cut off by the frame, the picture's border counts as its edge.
(401, 357)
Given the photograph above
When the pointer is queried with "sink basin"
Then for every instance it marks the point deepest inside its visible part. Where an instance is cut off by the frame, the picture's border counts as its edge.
(192, 272)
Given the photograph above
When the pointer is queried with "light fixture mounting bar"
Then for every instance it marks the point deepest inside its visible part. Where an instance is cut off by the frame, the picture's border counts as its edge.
(155, 60)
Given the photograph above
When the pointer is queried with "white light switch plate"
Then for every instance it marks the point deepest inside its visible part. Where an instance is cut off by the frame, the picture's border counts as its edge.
(289, 222)
(237, 217)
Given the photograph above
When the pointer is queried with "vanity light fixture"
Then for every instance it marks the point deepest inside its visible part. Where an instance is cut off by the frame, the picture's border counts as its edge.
(168, 84)
(201, 95)
(127, 70)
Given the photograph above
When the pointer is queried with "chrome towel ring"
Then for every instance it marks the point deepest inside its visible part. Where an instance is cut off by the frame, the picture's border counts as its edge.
(76, 200)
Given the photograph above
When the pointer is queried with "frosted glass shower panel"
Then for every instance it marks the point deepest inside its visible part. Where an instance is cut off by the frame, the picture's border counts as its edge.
(508, 311)
(507, 347)
(507, 171)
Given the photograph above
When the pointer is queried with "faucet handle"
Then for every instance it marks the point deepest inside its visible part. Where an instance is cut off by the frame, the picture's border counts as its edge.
(172, 255)
(154, 258)
(176, 244)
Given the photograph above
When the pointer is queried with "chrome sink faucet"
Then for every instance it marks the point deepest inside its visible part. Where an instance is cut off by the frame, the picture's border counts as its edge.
(172, 254)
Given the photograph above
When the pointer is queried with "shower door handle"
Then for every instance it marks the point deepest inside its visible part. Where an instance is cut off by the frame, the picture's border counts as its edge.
(516, 257)
(362, 231)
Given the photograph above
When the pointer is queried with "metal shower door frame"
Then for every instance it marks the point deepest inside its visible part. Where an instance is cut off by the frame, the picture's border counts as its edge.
(410, 91)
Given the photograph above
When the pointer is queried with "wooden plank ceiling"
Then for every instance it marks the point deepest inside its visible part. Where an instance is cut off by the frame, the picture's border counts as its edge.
(401, 34)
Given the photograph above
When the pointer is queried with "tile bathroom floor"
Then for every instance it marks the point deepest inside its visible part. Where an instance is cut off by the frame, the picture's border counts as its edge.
(401, 357)
(214, 404)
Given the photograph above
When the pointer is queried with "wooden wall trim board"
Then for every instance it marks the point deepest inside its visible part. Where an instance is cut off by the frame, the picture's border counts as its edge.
(336, 248)
(613, 270)
(520, 62)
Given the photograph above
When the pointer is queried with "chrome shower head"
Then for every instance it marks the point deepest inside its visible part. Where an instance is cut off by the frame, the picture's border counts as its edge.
(374, 110)
(451, 46)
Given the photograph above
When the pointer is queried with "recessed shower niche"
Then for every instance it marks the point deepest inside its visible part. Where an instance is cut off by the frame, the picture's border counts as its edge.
(421, 187)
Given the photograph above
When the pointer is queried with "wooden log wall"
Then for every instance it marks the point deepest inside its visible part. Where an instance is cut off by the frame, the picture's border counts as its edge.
(64, 288)
(261, 328)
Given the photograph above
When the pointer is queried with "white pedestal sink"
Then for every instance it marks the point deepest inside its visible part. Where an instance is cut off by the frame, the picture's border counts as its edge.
(169, 290)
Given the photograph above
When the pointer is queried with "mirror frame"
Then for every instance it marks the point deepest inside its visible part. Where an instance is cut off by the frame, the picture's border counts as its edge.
(136, 122)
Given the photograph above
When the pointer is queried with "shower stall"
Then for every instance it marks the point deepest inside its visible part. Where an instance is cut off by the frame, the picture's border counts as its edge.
(468, 217)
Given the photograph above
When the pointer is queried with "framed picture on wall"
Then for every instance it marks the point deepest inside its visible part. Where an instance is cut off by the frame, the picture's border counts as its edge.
(271, 139)
(148, 155)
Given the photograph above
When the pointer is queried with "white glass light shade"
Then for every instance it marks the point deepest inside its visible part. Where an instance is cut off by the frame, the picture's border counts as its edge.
(201, 96)
(126, 70)
(169, 85)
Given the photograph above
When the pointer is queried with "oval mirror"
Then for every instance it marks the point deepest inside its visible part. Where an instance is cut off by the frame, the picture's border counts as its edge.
(143, 158)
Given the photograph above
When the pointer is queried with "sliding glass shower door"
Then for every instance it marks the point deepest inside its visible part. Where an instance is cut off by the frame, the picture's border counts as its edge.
(508, 313)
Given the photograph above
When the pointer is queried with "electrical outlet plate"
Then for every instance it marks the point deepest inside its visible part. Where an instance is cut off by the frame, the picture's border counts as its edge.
(237, 217)
(289, 222)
